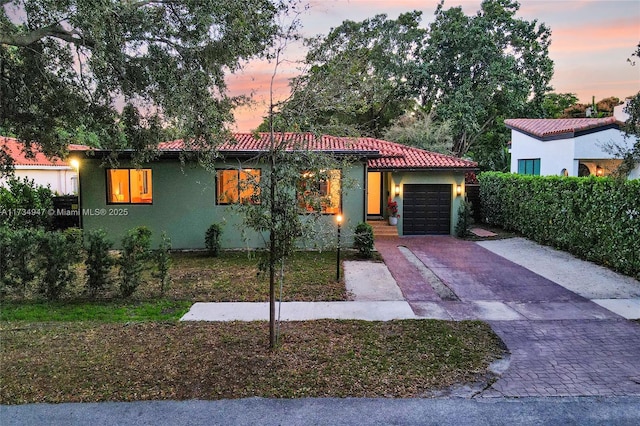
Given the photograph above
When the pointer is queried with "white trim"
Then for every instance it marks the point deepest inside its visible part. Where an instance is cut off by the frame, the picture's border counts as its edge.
(36, 167)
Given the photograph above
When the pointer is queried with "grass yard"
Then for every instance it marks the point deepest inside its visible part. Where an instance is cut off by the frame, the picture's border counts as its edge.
(114, 349)
(64, 362)
(234, 277)
(196, 277)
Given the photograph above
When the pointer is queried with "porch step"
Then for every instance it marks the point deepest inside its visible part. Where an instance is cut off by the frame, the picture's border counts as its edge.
(381, 228)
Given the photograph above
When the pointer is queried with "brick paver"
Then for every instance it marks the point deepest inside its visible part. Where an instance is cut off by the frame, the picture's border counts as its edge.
(569, 358)
(560, 343)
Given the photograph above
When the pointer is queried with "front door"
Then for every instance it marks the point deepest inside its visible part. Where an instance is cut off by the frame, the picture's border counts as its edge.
(374, 193)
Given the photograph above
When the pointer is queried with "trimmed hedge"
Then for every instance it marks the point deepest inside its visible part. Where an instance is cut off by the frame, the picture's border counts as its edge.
(597, 219)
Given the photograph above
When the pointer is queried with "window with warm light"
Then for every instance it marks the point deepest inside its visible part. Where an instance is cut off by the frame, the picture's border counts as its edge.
(129, 186)
(237, 186)
(320, 193)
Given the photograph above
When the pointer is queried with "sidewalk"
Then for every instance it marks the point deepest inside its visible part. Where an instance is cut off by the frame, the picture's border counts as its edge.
(376, 295)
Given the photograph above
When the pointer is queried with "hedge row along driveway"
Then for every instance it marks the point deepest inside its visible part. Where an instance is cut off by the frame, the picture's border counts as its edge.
(597, 219)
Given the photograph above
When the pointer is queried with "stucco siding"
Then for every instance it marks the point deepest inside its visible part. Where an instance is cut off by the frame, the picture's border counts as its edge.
(184, 206)
(554, 155)
(593, 145)
(452, 178)
(58, 179)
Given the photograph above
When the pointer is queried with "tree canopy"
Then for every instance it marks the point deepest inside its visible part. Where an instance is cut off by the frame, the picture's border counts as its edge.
(357, 78)
(68, 67)
(468, 71)
(478, 70)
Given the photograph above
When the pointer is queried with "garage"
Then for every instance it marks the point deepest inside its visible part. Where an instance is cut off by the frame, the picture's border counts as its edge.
(426, 209)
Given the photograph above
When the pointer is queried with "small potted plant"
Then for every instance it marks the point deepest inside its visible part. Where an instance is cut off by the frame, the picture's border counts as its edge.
(392, 209)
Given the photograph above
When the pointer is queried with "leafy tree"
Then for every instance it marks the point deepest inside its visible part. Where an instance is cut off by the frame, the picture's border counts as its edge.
(65, 65)
(554, 104)
(602, 108)
(357, 79)
(286, 211)
(23, 204)
(630, 156)
(477, 69)
(420, 130)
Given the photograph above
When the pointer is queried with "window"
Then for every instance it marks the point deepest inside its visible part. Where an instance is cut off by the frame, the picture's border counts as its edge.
(129, 186)
(321, 193)
(237, 186)
(529, 167)
(74, 184)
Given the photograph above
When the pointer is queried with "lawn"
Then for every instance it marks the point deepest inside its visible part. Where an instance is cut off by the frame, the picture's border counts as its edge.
(115, 349)
(64, 362)
(196, 277)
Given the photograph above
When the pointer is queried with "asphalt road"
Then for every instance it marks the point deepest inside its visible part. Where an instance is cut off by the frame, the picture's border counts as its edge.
(617, 411)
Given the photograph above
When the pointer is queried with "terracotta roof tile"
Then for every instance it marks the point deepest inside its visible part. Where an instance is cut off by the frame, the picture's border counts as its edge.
(15, 149)
(547, 127)
(384, 154)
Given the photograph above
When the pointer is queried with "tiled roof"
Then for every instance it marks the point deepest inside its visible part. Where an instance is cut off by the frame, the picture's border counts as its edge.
(557, 127)
(382, 154)
(397, 156)
(15, 149)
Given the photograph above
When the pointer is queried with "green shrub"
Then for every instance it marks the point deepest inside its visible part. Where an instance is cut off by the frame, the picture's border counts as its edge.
(163, 262)
(212, 239)
(20, 260)
(465, 218)
(595, 218)
(5, 247)
(363, 240)
(23, 204)
(98, 262)
(135, 252)
(59, 251)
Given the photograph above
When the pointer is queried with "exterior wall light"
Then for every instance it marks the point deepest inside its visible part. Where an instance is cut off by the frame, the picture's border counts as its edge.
(397, 190)
(599, 171)
(74, 163)
(458, 190)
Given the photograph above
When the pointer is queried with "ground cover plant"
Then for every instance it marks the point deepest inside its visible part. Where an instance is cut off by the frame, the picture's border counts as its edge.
(79, 361)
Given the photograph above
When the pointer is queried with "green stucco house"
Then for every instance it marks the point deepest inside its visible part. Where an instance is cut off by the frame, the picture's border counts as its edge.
(184, 198)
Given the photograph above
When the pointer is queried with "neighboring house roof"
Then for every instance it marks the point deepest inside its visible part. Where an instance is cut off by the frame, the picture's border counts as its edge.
(380, 154)
(560, 128)
(15, 149)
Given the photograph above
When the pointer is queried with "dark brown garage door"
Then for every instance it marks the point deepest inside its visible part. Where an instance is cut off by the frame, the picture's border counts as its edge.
(426, 209)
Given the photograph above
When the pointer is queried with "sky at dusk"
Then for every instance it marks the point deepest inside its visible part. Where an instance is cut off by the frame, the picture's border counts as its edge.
(591, 41)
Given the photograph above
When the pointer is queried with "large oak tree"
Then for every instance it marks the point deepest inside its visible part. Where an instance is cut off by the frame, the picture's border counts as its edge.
(357, 78)
(478, 70)
(67, 67)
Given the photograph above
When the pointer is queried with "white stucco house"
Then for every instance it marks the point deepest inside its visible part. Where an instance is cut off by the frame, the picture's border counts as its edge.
(59, 175)
(567, 146)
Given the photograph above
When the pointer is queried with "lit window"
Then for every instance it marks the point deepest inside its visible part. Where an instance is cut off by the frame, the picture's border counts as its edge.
(129, 186)
(237, 186)
(320, 193)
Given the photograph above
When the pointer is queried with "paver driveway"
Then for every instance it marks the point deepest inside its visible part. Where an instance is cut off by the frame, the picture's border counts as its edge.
(561, 344)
